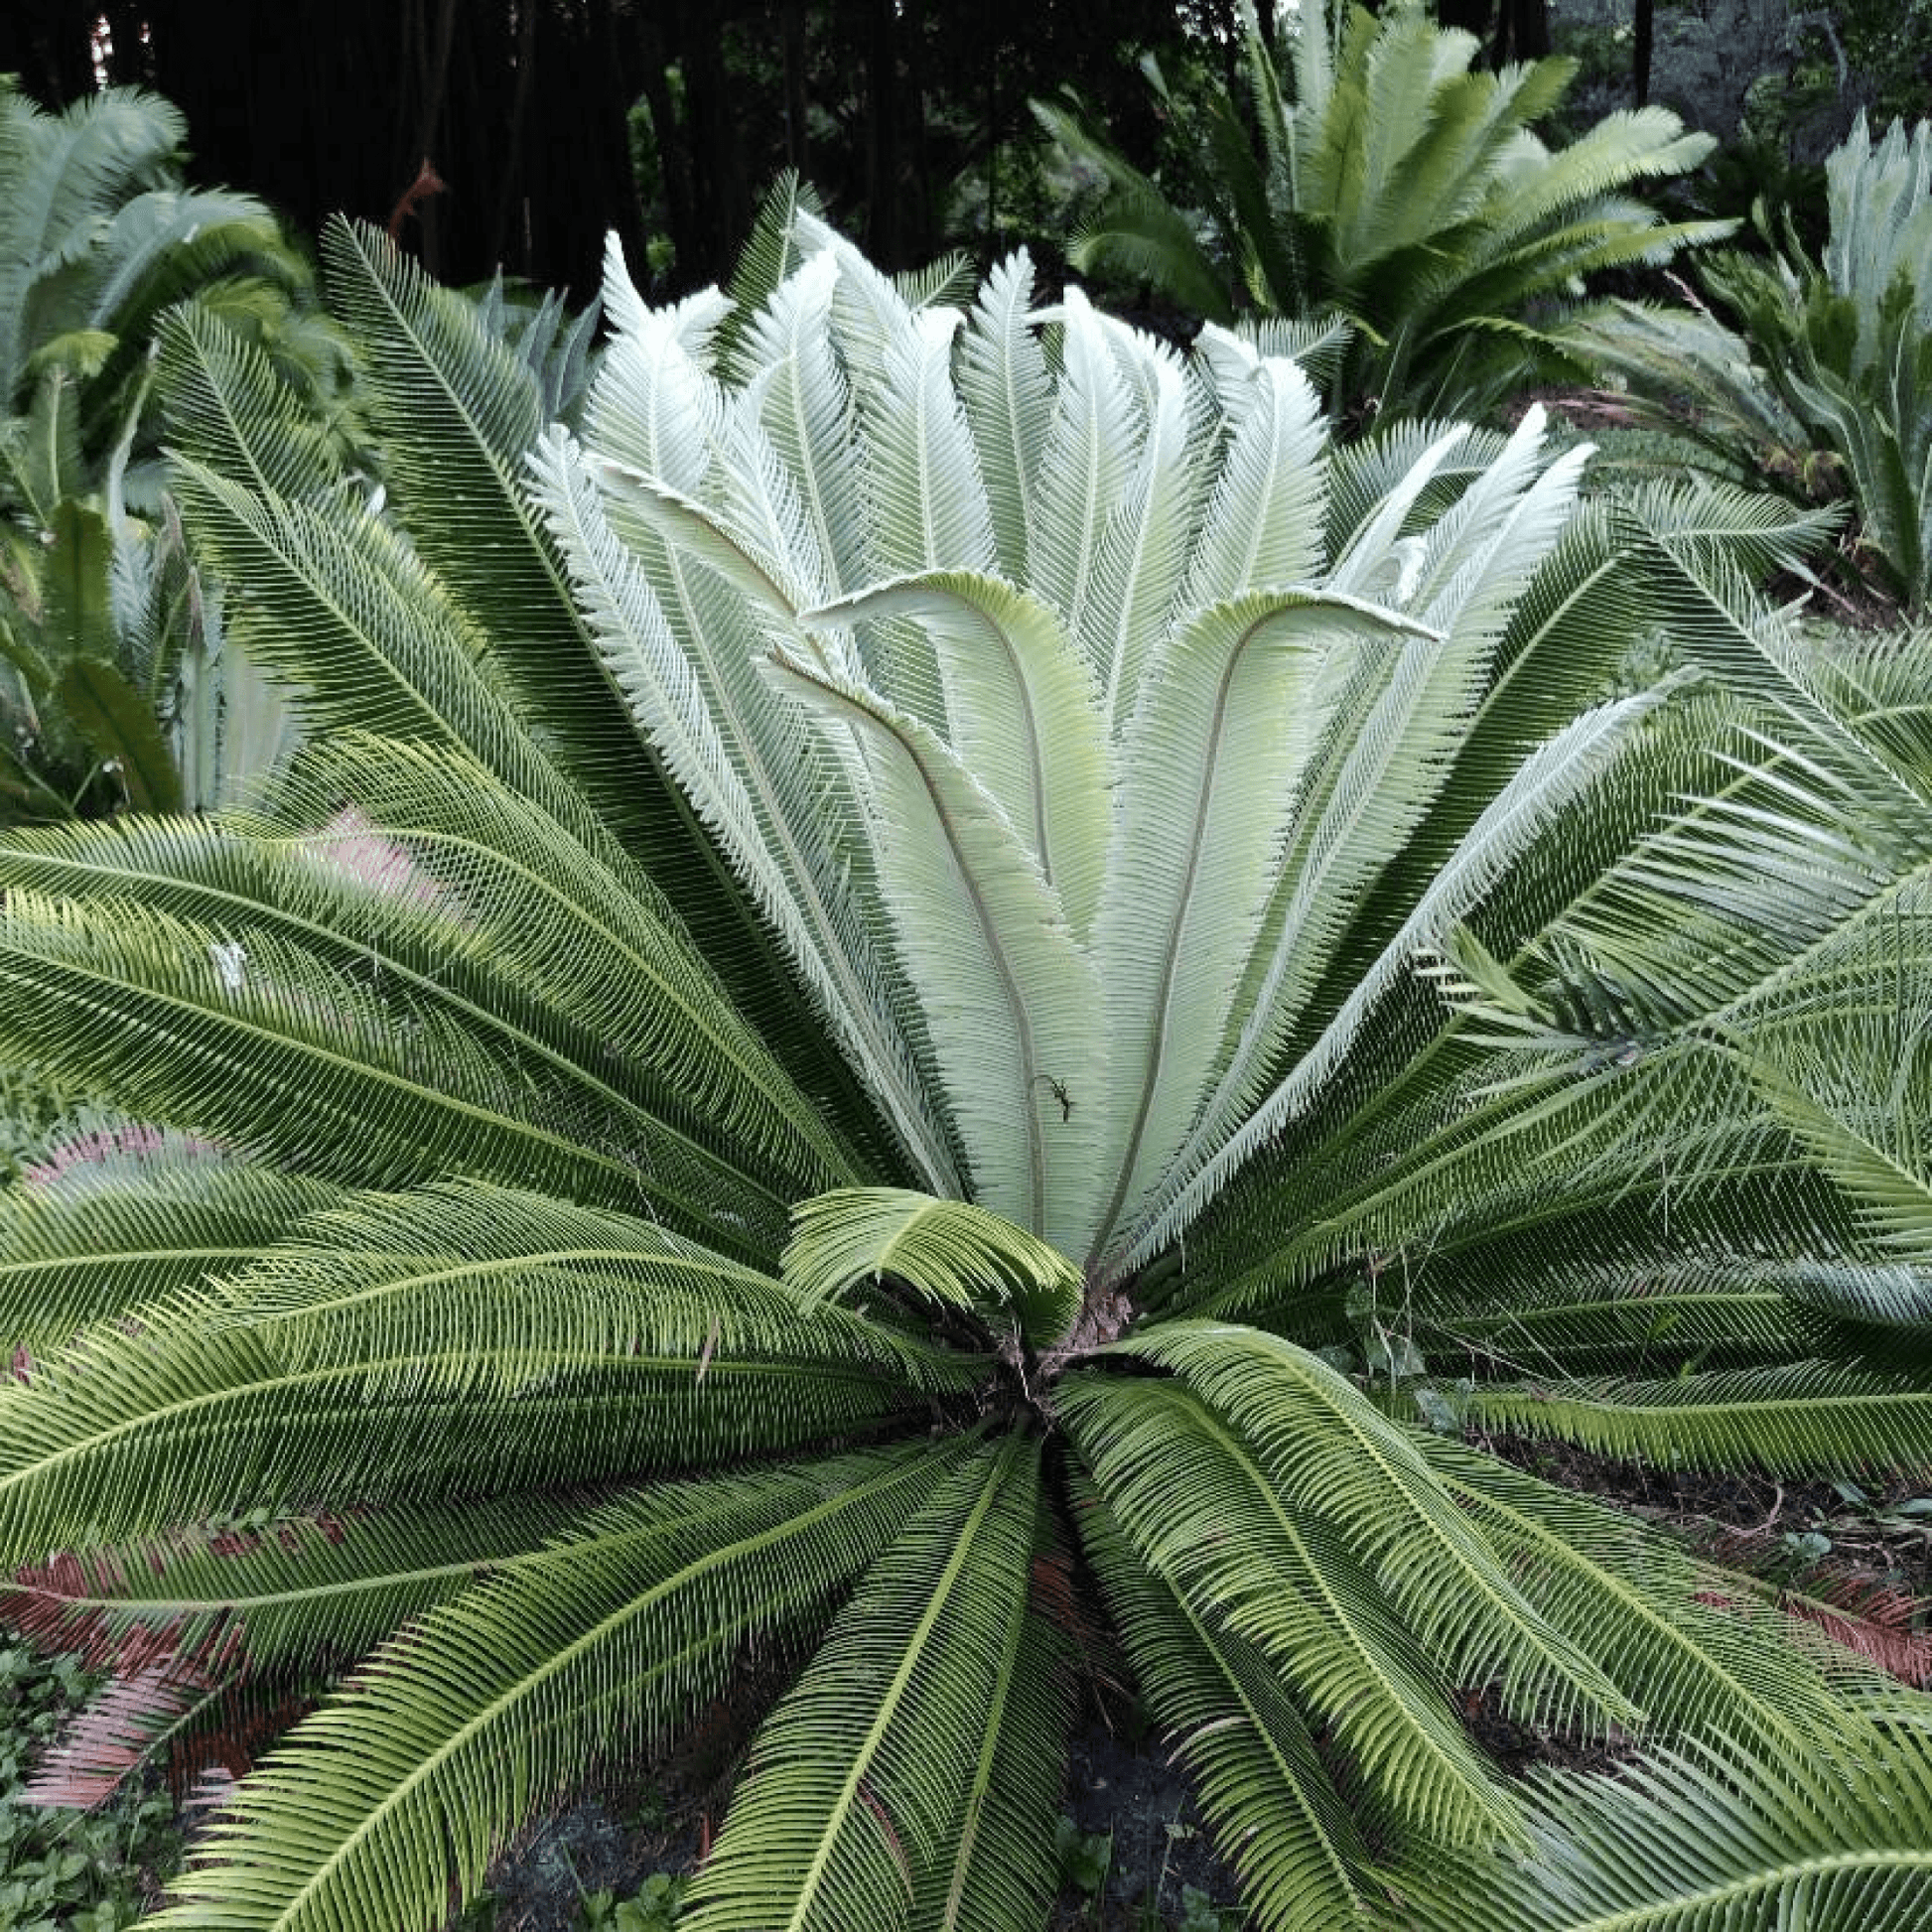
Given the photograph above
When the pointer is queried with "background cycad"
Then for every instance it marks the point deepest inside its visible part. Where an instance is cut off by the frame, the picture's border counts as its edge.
(1386, 183)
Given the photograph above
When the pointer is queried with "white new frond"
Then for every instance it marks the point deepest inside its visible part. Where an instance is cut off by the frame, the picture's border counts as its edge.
(1004, 384)
(755, 777)
(1145, 548)
(798, 392)
(1538, 793)
(1087, 467)
(1264, 523)
(1209, 768)
(1009, 999)
(1023, 716)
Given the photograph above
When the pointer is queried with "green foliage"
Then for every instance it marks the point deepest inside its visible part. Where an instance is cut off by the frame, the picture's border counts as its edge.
(830, 1016)
(653, 1907)
(1825, 385)
(119, 689)
(62, 1870)
(1394, 188)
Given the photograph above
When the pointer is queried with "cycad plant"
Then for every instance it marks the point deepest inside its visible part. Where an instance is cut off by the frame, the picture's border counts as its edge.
(1825, 385)
(817, 1084)
(115, 688)
(1385, 184)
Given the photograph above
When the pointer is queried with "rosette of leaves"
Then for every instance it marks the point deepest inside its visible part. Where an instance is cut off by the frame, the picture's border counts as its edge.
(1382, 183)
(1821, 381)
(816, 1080)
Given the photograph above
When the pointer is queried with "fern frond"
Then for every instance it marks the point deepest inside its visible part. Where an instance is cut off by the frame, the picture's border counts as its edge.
(1835, 1842)
(131, 1227)
(1817, 1417)
(1286, 1829)
(1283, 1579)
(457, 1330)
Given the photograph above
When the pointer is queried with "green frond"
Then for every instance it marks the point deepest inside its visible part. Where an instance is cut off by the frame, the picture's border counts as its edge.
(494, 1703)
(1327, 1451)
(608, 973)
(1807, 1417)
(129, 1226)
(236, 1030)
(1282, 1578)
(1283, 1825)
(1140, 236)
(857, 1777)
(1394, 184)
(466, 1336)
(458, 411)
(770, 257)
(226, 406)
(1835, 1842)
(945, 1251)
(341, 607)
(1640, 1314)
(246, 1603)
(1705, 1652)
(97, 232)
(429, 904)
(998, 1866)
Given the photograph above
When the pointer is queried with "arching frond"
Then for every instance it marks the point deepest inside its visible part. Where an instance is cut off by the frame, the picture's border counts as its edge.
(950, 1252)
(857, 1776)
(1015, 997)
(133, 1225)
(1283, 1579)
(490, 1703)
(1301, 1853)
(573, 1346)
(1817, 1417)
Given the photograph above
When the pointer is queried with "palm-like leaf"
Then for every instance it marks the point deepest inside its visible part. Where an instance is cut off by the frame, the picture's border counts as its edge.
(1091, 756)
(1722, 1843)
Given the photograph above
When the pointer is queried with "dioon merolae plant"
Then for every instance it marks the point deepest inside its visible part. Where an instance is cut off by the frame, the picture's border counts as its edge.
(942, 983)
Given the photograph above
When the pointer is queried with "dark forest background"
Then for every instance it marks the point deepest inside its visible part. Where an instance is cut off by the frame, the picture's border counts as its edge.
(545, 123)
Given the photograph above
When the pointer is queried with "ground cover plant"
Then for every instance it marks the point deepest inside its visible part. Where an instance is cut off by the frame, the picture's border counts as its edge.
(62, 1870)
(941, 985)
